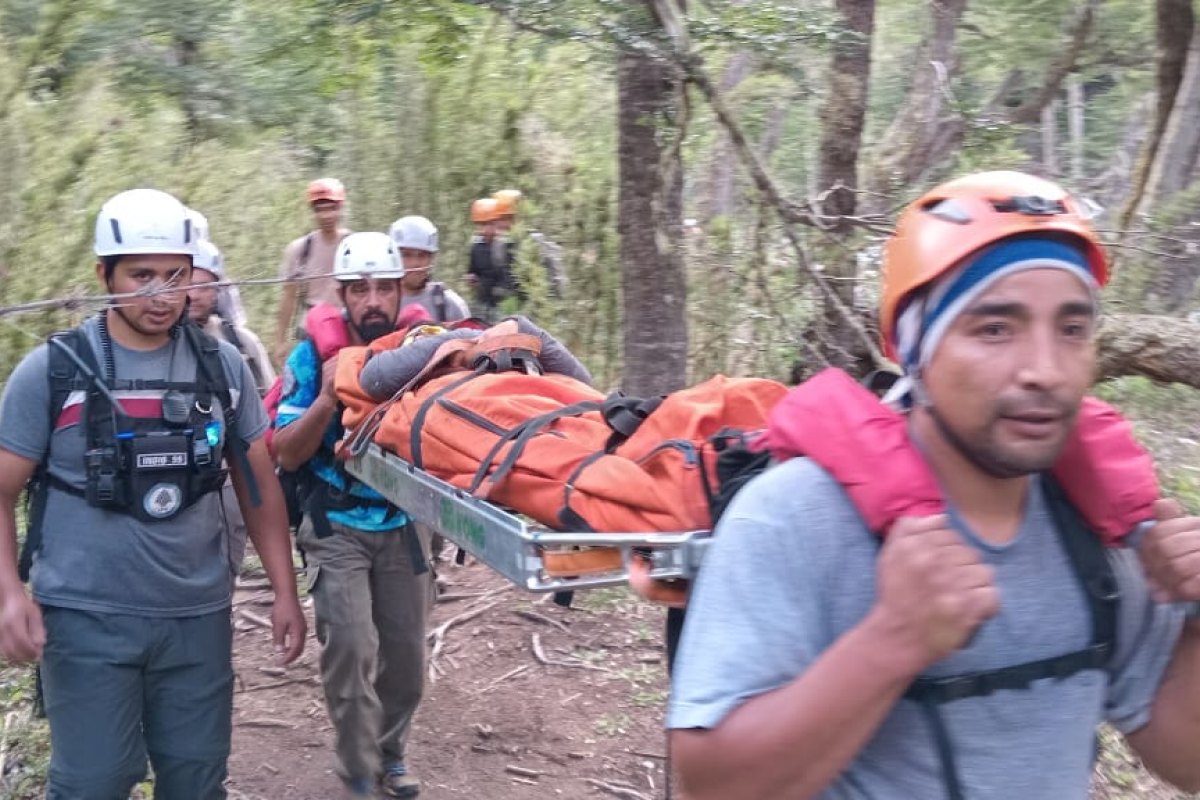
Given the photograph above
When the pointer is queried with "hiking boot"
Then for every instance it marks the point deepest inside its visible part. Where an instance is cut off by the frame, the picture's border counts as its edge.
(360, 789)
(399, 782)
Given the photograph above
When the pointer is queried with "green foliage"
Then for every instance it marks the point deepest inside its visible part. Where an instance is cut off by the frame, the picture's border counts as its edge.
(423, 106)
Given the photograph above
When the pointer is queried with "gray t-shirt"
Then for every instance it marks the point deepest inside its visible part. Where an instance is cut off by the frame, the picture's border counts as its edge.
(97, 560)
(455, 306)
(792, 569)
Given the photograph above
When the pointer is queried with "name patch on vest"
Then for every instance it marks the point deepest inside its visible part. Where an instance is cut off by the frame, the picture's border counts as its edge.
(161, 460)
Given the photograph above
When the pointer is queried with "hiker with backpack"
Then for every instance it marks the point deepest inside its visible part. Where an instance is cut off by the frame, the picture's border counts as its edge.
(548, 253)
(489, 271)
(416, 239)
(203, 309)
(123, 430)
(367, 569)
(969, 645)
(208, 268)
(308, 263)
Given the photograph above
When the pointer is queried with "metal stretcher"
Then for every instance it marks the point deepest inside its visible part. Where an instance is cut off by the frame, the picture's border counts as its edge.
(531, 556)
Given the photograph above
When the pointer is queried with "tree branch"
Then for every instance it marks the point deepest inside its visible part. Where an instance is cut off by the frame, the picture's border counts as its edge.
(1078, 31)
(1163, 349)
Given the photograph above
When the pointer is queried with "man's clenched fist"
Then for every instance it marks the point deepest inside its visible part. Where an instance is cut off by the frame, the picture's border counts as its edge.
(934, 591)
(1170, 554)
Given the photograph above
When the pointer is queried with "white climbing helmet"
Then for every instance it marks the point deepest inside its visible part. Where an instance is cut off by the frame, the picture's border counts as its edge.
(199, 224)
(208, 258)
(144, 221)
(415, 233)
(367, 255)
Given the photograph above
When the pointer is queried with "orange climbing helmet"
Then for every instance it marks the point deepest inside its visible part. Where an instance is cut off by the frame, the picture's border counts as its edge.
(959, 217)
(484, 210)
(506, 201)
(326, 189)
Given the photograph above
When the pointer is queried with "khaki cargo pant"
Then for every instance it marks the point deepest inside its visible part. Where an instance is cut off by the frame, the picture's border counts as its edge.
(370, 611)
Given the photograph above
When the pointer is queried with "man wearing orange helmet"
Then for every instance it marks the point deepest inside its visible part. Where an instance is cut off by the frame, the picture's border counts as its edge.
(489, 272)
(933, 665)
(510, 242)
(310, 255)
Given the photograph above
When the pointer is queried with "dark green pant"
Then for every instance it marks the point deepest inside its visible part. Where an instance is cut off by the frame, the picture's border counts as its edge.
(370, 612)
(121, 688)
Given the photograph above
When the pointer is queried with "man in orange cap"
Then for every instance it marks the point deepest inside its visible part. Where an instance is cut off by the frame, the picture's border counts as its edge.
(309, 256)
(974, 653)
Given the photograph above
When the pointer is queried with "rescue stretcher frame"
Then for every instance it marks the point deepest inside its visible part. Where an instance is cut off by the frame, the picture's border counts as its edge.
(509, 544)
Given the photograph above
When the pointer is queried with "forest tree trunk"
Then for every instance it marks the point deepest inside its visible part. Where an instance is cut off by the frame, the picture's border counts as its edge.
(650, 211)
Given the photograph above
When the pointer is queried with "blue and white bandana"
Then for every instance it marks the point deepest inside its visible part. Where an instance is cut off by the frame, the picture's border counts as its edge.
(928, 315)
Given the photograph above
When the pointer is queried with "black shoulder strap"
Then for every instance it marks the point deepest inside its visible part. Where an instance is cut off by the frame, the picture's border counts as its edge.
(439, 301)
(212, 371)
(235, 339)
(1094, 571)
(63, 376)
(1093, 568)
(231, 334)
(63, 373)
(211, 368)
(305, 250)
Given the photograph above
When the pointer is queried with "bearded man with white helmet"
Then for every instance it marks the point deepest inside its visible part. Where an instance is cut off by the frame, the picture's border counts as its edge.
(417, 240)
(368, 572)
(123, 427)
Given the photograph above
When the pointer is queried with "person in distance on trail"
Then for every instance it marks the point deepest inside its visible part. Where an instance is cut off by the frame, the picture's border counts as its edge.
(308, 256)
(416, 239)
(975, 652)
(127, 423)
(489, 273)
(508, 244)
(368, 571)
(208, 268)
(203, 309)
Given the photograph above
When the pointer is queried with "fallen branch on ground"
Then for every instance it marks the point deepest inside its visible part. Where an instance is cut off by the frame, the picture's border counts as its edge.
(311, 679)
(617, 791)
(450, 598)
(263, 722)
(512, 673)
(438, 634)
(8, 721)
(542, 618)
(544, 660)
(255, 619)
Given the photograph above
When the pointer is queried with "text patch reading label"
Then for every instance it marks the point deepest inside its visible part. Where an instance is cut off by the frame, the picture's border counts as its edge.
(161, 460)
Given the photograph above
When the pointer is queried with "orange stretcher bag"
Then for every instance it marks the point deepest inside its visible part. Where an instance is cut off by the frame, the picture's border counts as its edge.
(551, 447)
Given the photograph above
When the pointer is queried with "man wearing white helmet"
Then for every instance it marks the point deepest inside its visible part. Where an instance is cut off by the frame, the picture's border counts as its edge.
(368, 572)
(203, 309)
(126, 425)
(417, 240)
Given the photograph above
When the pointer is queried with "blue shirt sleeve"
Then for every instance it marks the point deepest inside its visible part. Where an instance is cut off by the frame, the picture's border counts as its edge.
(301, 384)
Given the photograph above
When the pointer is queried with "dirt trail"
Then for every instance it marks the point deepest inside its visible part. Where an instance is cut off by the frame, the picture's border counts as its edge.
(526, 700)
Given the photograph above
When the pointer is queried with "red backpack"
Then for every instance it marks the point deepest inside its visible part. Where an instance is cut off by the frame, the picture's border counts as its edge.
(326, 327)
